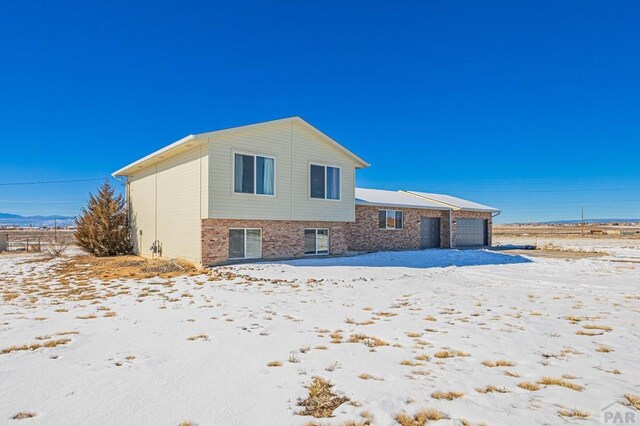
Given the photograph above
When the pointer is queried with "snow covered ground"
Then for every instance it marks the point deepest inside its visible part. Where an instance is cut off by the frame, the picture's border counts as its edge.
(387, 329)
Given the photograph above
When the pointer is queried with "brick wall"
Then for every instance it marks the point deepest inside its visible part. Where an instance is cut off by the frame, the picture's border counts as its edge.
(478, 215)
(365, 234)
(280, 239)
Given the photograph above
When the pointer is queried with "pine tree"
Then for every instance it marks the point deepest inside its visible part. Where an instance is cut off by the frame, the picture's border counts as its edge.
(102, 228)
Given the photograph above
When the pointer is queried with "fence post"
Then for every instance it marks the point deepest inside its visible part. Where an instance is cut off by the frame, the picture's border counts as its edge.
(27, 250)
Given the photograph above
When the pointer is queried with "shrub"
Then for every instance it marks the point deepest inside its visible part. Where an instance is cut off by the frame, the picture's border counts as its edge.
(102, 228)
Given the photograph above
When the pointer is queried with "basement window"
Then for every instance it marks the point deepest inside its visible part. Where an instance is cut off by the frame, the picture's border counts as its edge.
(324, 182)
(245, 243)
(253, 174)
(316, 241)
(390, 219)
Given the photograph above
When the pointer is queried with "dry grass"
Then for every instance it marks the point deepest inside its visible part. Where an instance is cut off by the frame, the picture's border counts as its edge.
(529, 386)
(574, 413)
(420, 418)
(498, 363)
(366, 376)
(34, 346)
(450, 353)
(23, 415)
(597, 327)
(511, 374)
(90, 316)
(110, 268)
(491, 389)
(414, 334)
(198, 337)
(633, 400)
(430, 318)
(604, 349)
(552, 381)
(274, 364)
(370, 341)
(589, 333)
(449, 396)
(322, 401)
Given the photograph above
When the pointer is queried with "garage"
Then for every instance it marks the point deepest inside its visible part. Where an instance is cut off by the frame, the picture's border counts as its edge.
(471, 232)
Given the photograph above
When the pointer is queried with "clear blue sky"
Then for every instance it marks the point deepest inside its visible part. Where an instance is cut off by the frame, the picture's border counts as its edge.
(529, 106)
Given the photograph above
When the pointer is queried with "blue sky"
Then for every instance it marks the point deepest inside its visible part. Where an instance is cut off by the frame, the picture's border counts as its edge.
(533, 107)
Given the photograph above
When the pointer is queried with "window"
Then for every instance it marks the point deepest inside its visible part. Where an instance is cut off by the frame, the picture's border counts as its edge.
(245, 243)
(325, 182)
(253, 174)
(390, 219)
(316, 241)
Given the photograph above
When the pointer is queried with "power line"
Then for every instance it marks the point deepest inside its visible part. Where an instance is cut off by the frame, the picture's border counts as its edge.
(51, 181)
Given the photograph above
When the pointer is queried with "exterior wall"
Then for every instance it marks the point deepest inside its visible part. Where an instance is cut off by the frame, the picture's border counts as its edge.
(365, 235)
(280, 239)
(478, 215)
(294, 146)
(167, 202)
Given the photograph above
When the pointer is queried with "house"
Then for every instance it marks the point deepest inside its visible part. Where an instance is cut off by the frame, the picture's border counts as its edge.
(280, 189)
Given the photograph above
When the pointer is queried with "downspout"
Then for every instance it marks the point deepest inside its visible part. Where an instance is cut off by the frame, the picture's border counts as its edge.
(451, 228)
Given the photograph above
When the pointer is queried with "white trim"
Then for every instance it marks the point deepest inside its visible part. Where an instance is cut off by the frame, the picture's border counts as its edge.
(313, 163)
(316, 241)
(387, 228)
(255, 174)
(244, 249)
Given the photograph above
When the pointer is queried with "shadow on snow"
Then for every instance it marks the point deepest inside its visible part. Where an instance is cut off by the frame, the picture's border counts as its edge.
(434, 258)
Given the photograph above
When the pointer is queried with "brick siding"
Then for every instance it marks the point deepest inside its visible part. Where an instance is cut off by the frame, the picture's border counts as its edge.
(285, 239)
(365, 234)
(280, 239)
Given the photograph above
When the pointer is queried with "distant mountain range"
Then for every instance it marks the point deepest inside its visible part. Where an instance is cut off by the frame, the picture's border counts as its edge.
(8, 219)
(578, 221)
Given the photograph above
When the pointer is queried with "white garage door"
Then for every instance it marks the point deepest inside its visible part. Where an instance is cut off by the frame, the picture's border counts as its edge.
(471, 232)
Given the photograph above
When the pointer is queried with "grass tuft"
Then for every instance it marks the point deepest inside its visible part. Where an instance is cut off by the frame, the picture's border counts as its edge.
(420, 418)
(574, 413)
(274, 364)
(449, 396)
(634, 400)
(529, 386)
(322, 401)
(491, 389)
(552, 381)
(23, 415)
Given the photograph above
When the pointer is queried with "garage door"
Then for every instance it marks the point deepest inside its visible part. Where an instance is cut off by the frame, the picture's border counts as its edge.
(429, 232)
(471, 232)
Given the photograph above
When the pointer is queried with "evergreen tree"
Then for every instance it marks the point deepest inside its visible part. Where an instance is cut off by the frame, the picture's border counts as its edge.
(102, 228)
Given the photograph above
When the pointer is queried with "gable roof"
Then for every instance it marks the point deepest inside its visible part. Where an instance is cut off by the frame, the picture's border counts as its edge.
(417, 200)
(192, 140)
(454, 202)
(380, 197)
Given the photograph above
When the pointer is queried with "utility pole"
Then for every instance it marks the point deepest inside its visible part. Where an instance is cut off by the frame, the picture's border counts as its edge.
(582, 224)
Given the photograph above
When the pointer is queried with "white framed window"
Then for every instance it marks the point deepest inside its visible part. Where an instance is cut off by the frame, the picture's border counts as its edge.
(254, 174)
(245, 243)
(390, 219)
(324, 182)
(316, 241)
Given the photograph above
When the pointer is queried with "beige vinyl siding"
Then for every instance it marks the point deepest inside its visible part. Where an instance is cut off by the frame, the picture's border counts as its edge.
(168, 201)
(309, 149)
(294, 147)
(142, 204)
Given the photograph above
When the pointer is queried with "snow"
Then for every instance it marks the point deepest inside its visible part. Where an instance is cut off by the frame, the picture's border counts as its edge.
(377, 197)
(455, 201)
(487, 304)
